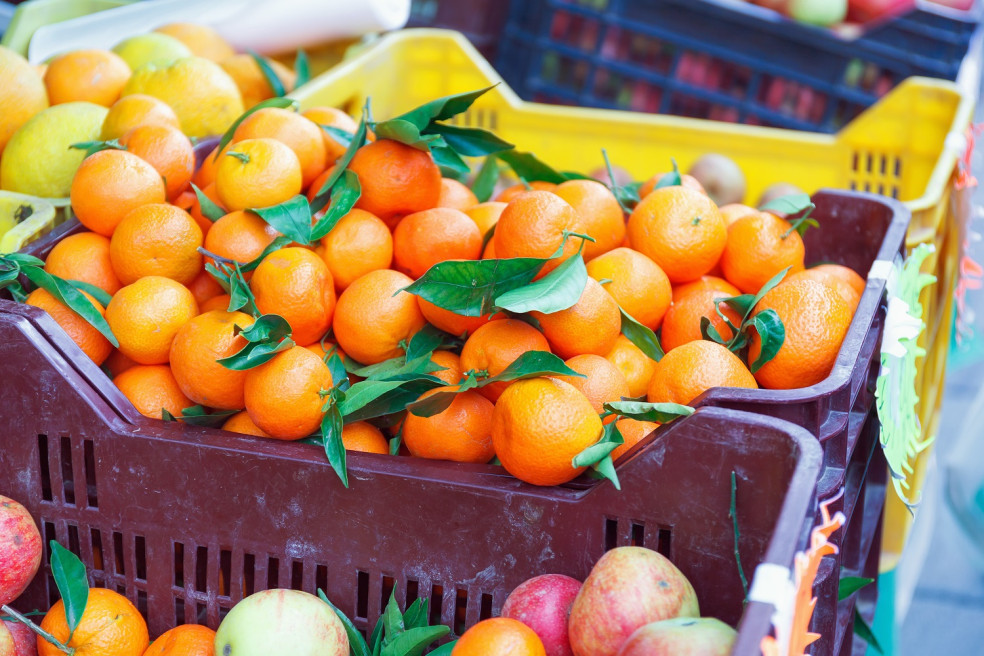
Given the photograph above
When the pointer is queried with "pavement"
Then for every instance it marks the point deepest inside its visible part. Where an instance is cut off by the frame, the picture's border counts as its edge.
(941, 593)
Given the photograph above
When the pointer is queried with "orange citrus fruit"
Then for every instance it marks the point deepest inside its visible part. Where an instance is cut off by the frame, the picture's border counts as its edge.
(24, 93)
(291, 129)
(110, 624)
(452, 372)
(283, 395)
(204, 287)
(836, 283)
(425, 238)
(734, 211)
(253, 85)
(241, 423)
(95, 76)
(759, 246)
(539, 425)
(220, 302)
(241, 236)
(363, 436)
(816, 320)
(331, 117)
(151, 388)
(695, 367)
(296, 284)
(496, 345)
(601, 383)
(450, 322)
(533, 224)
(359, 243)
(84, 257)
(633, 431)
(396, 179)
(195, 352)
(456, 195)
(706, 282)
(509, 193)
(156, 240)
(462, 432)
(134, 111)
(636, 283)
(202, 40)
(687, 181)
(635, 365)
(85, 336)
(111, 183)
(372, 316)
(679, 229)
(499, 636)
(846, 274)
(257, 173)
(184, 640)
(168, 150)
(589, 326)
(146, 315)
(682, 321)
(485, 215)
(600, 214)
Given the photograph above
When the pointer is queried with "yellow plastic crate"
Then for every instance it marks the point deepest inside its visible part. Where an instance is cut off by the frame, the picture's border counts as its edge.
(26, 218)
(899, 148)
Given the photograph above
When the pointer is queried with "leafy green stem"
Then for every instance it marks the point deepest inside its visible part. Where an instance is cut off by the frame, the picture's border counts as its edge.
(733, 514)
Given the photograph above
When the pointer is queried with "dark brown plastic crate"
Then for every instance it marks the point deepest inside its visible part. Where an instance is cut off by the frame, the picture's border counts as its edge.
(186, 521)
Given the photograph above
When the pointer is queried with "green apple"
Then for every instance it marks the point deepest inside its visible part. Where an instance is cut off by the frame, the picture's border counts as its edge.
(281, 622)
(818, 12)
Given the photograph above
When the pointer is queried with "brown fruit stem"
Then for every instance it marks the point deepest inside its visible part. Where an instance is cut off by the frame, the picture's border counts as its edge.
(37, 629)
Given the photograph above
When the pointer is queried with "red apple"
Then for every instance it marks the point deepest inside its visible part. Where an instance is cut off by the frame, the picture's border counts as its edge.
(25, 640)
(681, 636)
(628, 588)
(544, 603)
(7, 645)
(20, 549)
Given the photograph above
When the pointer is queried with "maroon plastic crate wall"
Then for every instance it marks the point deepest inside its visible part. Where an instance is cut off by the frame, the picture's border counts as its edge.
(186, 521)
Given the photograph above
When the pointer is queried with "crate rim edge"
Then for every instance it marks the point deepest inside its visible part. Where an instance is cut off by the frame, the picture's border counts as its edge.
(935, 184)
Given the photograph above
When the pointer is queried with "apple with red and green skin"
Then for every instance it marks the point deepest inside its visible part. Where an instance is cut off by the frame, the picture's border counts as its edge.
(20, 549)
(543, 603)
(281, 622)
(681, 636)
(628, 587)
(7, 645)
(25, 641)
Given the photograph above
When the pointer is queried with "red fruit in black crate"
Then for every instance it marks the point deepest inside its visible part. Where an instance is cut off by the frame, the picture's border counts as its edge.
(20, 549)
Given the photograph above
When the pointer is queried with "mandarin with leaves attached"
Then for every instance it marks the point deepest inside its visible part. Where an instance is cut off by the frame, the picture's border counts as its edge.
(759, 246)
(257, 173)
(335, 118)
(363, 436)
(284, 395)
(110, 624)
(601, 381)
(194, 356)
(536, 224)
(496, 345)
(600, 214)
(426, 238)
(296, 131)
(816, 320)
(682, 321)
(452, 373)
(456, 195)
(636, 282)
(633, 431)
(241, 236)
(539, 425)
(241, 423)
(374, 316)
(589, 326)
(693, 368)
(296, 284)
(396, 179)
(168, 150)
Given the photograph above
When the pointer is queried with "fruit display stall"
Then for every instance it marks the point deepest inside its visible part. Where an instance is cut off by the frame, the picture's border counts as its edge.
(389, 361)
